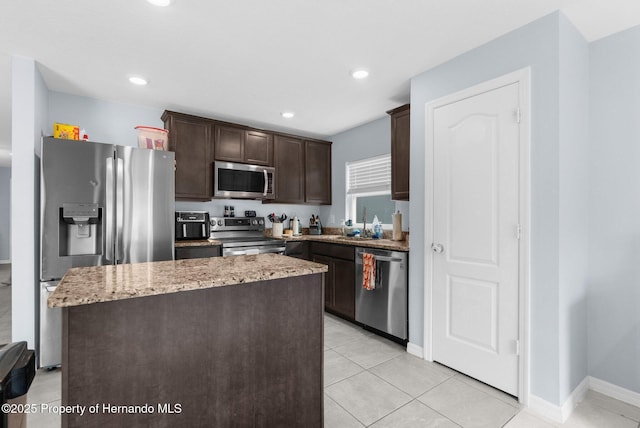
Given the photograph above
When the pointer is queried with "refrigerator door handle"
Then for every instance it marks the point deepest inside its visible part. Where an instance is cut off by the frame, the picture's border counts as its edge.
(119, 209)
(109, 216)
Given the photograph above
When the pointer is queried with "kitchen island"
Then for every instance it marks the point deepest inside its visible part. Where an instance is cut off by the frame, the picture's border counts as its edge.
(224, 341)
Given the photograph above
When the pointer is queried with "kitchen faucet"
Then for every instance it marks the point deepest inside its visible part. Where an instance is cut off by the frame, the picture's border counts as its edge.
(364, 222)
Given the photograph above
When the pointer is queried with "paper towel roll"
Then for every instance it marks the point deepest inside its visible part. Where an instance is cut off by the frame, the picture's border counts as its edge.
(397, 226)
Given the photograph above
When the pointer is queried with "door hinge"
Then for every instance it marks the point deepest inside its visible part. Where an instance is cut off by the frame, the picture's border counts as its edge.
(518, 231)
(518, 114)
(518, 347)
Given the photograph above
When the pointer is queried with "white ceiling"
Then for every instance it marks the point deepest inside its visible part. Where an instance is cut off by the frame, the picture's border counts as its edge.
(249, 60)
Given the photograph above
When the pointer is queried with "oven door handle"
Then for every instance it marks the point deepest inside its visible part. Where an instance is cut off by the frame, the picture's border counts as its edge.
(276, 250)
(241, 252)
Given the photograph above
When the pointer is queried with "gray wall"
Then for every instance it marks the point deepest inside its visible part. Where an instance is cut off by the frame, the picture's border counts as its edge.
(540, 46)
(614, 244)
(573, 193)
(5, 214)
(365, 141)
(104, 121)
(28, 105)
(111, 122)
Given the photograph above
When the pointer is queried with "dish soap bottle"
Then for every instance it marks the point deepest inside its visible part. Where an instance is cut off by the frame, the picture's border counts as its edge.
(376, 227)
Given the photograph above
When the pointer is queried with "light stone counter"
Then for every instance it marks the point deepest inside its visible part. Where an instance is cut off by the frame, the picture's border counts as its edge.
(83, 286)
(385, 244)
(197, 243)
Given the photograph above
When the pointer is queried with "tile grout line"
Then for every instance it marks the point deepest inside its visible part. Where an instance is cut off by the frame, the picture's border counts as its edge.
(348, 412)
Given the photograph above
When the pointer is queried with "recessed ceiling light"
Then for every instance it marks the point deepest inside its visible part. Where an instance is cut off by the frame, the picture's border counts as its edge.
(287, 114)
(137, 80)
(160, 3)
(359, 74)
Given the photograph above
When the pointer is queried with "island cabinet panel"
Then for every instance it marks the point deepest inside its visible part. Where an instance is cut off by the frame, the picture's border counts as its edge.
(318, 172)
(400, 149)
(235, 144)
(246, 355)
(190, 138)
(339, 287)
(289, 163)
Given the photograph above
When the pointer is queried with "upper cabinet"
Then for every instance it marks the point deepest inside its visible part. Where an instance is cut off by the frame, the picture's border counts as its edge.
(303, 171)
(289, 163)
(190, 138)
(317, 172)
(237, 144)
(303, 166)
(400, 148)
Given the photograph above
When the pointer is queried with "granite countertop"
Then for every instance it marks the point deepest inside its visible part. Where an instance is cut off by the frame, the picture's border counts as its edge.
(86, 285)
(385, 244)
(198, 243)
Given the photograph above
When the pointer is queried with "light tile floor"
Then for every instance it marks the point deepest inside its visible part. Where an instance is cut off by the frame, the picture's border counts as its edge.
(372, 382)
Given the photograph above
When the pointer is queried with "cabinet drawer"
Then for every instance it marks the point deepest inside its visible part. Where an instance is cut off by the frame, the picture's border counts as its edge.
(345, 252)
(198, 252)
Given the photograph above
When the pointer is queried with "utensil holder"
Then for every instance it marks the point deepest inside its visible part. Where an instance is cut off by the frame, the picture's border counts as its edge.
(276, 230)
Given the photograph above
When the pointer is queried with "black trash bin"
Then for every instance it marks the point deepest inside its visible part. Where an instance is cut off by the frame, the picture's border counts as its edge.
(17, 370)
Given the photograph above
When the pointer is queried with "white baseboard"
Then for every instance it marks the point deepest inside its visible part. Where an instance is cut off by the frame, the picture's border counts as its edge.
(614, 391)
(559, 413)
(415, 350)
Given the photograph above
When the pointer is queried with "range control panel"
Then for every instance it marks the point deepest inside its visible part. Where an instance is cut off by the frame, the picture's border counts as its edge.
(221, 224)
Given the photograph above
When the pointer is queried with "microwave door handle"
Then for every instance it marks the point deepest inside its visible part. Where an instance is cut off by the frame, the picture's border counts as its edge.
(184, 230)
(266, 182)
(204, 230)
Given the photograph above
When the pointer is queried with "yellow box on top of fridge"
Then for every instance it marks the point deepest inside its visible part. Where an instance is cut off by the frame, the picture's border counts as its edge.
(65, 131)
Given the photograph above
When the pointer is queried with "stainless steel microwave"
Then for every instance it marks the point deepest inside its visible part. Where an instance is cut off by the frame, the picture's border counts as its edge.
(243, 181)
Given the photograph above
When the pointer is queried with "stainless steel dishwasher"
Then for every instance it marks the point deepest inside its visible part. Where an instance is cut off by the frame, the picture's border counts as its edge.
(385, 307)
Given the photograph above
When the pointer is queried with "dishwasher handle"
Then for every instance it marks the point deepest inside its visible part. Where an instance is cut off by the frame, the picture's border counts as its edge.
(387, 259)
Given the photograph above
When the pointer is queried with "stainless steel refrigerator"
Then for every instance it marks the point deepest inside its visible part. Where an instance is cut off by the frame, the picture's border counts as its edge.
(100, 204)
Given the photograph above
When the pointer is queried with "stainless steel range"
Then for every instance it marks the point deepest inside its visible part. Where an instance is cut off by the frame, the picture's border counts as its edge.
(243, 235)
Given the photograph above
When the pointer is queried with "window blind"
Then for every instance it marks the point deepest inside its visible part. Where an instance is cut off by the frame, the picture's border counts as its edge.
(369, 175)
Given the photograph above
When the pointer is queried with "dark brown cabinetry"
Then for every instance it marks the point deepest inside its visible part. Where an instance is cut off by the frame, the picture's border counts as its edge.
(303, 166)
(400, 148)
(198, 252)
(317, 172)
(191, 139)
(289, 163)
(339, 286)
(303, 171)
(297, 249)
(236, 144)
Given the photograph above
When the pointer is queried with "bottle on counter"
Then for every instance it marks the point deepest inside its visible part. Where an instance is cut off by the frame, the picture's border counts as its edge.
(232, 212)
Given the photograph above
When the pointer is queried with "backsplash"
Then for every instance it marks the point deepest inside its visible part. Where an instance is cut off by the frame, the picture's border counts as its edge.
(216, 209)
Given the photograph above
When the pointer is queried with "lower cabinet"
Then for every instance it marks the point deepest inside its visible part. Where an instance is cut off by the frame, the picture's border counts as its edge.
(198, 252)
(339, 285)
(297, 249)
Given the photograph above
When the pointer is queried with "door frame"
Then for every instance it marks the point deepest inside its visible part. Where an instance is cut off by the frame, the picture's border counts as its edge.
(523, 78)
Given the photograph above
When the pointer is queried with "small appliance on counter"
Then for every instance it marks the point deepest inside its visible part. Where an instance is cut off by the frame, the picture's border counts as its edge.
(192, 225)
(315, 227)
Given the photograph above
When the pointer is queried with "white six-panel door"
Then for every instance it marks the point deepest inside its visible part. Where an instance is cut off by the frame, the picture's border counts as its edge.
(475, 236)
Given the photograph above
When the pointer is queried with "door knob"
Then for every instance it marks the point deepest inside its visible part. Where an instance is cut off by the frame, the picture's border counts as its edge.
(437, 248)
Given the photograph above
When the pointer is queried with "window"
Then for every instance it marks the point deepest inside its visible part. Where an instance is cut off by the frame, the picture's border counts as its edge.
(369, 186)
